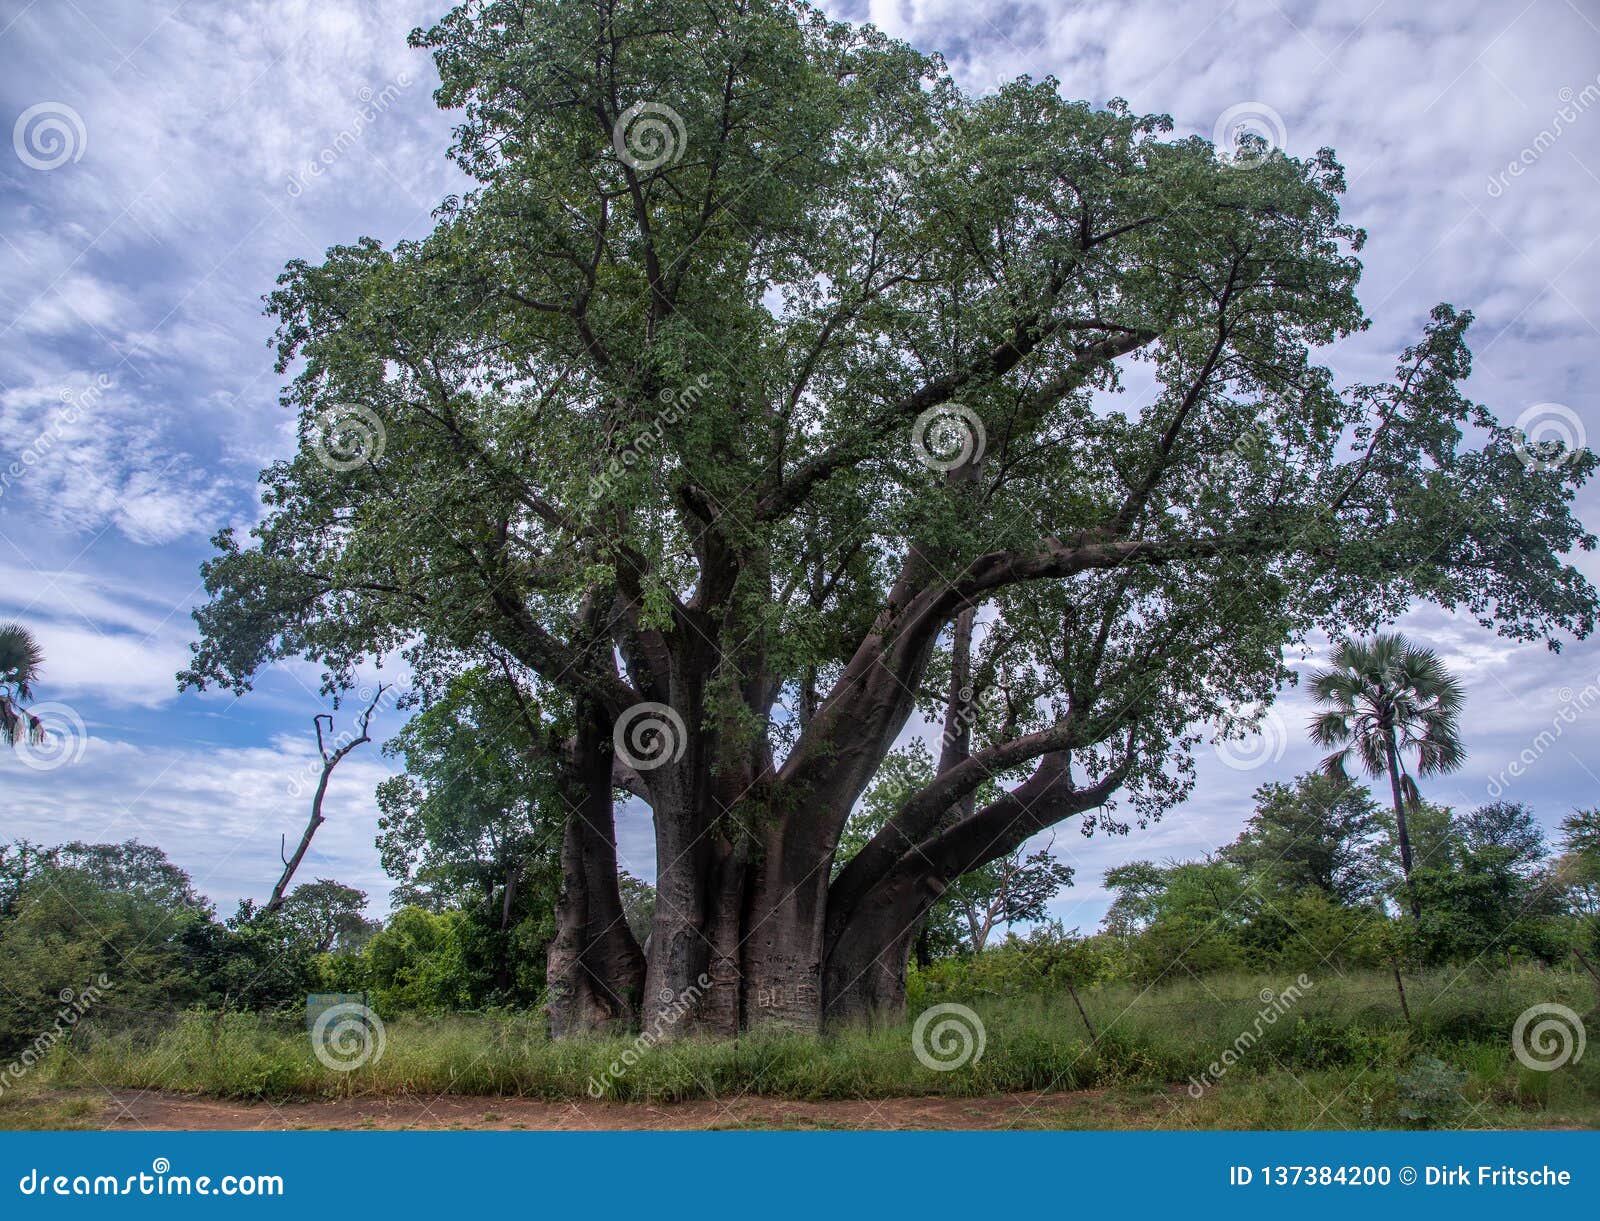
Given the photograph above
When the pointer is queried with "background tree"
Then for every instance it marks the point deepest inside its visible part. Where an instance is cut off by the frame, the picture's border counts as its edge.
(1315, 832)
(326, 915)
(141, 870)
(1382, 700)
(1187, 916)
(1012, 890)
(83, 911)
(475, 824)
(1136, 889)
(716, 419)
(638, 904)
(1579, 865)
(1489, 888)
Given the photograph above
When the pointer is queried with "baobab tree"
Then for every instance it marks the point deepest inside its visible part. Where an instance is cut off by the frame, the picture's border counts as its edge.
(759, 358)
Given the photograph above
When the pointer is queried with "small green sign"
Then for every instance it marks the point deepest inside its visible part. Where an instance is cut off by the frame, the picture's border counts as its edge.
(318, 1003)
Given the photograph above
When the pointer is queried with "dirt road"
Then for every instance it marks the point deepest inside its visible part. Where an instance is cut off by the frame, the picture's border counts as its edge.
(137, 1111)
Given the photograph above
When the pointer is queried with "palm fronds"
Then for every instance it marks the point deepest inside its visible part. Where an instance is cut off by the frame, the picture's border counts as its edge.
(21, 659)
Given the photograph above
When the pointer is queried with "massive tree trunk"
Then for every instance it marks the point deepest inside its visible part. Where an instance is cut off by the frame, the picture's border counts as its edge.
(872, 922)
(748, 931)
(594, 968)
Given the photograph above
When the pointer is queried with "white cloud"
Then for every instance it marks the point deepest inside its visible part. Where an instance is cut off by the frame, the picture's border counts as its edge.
(221, 814)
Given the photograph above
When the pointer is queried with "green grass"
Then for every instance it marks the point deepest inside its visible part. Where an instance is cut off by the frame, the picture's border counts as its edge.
(1334, 1058)
(31, 1106)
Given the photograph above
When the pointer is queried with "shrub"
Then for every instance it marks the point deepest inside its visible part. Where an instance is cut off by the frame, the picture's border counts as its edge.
(1429, 1093)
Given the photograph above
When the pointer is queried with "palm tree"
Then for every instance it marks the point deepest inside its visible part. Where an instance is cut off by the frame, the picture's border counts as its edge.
(1382, 700)
(21, 659)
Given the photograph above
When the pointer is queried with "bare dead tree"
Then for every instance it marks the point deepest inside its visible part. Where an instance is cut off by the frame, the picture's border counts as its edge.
(330, 760)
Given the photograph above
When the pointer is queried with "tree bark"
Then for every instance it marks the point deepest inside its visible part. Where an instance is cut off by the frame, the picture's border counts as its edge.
(1402, 833)
(595, 970)
(865, 973)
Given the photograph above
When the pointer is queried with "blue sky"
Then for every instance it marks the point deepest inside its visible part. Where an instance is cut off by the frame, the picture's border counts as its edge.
(167, 159)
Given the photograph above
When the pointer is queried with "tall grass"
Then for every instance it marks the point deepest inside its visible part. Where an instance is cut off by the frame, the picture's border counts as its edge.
(1345, 1031)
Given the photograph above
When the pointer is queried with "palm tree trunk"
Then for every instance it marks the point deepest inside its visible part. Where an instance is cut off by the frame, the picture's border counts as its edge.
(1401, 832)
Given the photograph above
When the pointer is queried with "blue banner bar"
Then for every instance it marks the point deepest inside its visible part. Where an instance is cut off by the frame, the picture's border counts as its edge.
(770, 1176)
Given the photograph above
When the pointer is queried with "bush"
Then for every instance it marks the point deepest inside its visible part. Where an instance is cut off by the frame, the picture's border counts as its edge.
(1429, 1093)
(66, 932)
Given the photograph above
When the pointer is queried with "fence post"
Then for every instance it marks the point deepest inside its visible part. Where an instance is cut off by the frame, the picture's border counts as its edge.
(1401, 988)
(1083, 1013)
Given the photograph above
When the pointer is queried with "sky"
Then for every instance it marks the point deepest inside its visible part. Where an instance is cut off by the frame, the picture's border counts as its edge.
(167, 159)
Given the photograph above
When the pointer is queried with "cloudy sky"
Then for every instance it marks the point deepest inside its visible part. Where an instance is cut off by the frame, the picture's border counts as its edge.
(168, 158)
